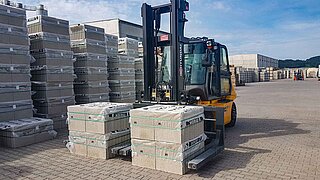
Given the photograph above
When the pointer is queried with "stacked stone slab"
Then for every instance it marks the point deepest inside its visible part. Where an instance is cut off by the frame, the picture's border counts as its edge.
(97, 127)
(166, 137)
(140, 49)
(270, 72)
(233, 75)
(52, 70)
(139, 77)
(25, 132)
(122, 73)
(128, 46)
(88, 45)
(264, 75)
(111, 46)
(15, 85)
(122, 79)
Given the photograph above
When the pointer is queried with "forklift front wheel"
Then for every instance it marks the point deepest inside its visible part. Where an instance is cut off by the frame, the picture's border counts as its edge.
(233, 116)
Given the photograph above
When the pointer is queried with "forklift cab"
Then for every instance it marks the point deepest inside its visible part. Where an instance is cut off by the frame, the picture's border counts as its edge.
(206, 70)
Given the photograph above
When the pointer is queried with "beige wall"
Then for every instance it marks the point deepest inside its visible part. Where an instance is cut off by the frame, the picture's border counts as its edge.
(109, 26)
(253, 61)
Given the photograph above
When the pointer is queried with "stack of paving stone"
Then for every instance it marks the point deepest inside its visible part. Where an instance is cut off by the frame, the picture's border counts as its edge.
(122, 73)
(165, 137)
(25, 132)
(139, 77)
(140, 49)
(97, 127)
(122, 79)
(111, 46)
(233, 75)
(88, 45)
(15, 86)
(52, 71)
(128, 46)
(17, 126)
(264, 75)
(270, 72)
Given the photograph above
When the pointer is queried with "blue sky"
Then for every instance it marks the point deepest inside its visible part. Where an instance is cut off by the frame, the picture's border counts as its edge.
(277, 28)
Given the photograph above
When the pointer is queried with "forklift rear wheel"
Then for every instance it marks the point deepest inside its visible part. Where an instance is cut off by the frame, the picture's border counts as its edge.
(233, 116)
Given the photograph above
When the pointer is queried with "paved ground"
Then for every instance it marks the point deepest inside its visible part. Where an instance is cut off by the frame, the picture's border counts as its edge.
(277, 137)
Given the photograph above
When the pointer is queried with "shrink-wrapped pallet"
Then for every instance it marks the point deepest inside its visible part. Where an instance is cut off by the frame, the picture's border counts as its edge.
(166, 137)
(52, 71)
(15, 59)
(97, 127)
(24, 132)
(96, 145)
(100, 118)
(90, 66)
(128, 47)
(169, 123)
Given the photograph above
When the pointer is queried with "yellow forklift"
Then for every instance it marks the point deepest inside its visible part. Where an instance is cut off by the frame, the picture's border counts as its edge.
(186, 71)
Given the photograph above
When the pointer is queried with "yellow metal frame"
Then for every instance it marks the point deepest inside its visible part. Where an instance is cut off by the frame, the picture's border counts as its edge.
(225, 102)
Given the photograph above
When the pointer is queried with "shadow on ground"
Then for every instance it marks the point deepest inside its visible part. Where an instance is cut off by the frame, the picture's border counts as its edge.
(236, 155)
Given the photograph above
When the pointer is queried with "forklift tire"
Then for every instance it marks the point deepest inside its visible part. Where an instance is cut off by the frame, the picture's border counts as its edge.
(233, 116)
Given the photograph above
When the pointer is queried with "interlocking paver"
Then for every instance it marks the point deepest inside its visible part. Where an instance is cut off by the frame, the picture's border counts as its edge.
(276, 137)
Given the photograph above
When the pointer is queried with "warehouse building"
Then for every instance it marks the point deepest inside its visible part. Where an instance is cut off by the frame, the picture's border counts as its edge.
(253, 61)
(120, 28)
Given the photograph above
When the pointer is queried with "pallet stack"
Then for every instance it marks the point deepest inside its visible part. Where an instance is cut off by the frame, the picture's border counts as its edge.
(287, 73)
(111, 46)
(264, 75)
(52, 71)
(97, 127)
(233, 75)
(122, 79)
(139, 72)
(15, 86)
(256, 75)
(140, 49)
(270, 73)
(122, 72)
(129, 47)
(24, 132)
(246, 75)
(165, 137)
(139, 77)
(88, 45)
(17, 126)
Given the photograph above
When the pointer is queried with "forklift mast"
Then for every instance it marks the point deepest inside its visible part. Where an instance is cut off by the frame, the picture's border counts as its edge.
(175, 39)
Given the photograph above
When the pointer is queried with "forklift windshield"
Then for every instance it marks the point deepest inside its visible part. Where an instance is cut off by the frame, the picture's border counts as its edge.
(164, 64)
(193, 56)
(194, 71)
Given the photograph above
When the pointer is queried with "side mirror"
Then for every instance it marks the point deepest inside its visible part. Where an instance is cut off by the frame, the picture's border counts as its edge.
(207, 60)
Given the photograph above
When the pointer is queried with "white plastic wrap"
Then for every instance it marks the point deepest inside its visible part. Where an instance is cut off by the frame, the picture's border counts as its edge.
(13, 30)
(50, 37)
(90, 56)
(25, 127)
(15, 87)
(14, 49)
(12, 11)
(48, 20)
(91, 70)
(87, 41)
(171, 151)
(175, 113)
(53, 69)
(52, 54)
